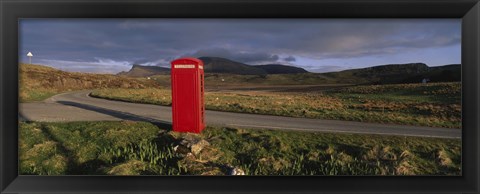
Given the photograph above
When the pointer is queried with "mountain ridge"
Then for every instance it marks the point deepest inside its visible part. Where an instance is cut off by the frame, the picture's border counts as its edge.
(223, 65)
(381, 74)
(144, 71)
(281, 69)
(218, 65)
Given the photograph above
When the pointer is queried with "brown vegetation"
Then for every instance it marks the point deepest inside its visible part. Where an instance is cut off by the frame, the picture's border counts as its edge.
(39, 82)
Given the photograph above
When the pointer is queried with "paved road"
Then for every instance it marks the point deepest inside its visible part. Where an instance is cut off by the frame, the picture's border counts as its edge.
(78, 106)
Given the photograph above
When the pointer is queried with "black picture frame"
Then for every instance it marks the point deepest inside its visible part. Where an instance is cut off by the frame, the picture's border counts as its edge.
(12, 10)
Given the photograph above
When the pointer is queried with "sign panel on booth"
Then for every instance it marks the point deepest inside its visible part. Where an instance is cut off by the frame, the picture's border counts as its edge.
(188, 109)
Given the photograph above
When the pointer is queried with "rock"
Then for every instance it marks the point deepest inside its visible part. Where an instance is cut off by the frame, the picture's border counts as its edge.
(190, 157)
(197, 147)
(232, 170)
(209, 154)
(236, 171)
(181, 149)
(198, 157)
(195, 144)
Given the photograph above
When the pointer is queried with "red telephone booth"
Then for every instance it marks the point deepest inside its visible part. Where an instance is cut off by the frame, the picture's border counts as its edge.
(188, 109)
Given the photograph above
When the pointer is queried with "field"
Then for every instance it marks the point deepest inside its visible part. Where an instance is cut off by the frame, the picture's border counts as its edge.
(432, 104)
(218, 79)
(139, 148)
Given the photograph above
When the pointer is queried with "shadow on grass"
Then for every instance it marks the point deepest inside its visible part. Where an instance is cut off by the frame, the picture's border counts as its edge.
(96, 166)
(73, 167)
(119, 114)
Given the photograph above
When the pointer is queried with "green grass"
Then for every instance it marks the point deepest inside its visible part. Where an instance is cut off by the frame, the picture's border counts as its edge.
(148, 95)
(444, 93)
(139, 148)
(273, 152)
(37, 95)
(116, 148)
(434, 105)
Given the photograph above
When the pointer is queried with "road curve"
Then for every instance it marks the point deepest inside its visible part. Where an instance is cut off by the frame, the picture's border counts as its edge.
(79, 106)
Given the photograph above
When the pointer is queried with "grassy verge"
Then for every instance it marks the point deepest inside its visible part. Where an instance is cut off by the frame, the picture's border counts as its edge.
(147, 95)
(139, 148)
(37, 95)
(434, 104)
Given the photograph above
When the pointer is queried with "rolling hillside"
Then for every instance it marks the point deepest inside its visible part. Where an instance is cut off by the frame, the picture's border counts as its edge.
(218, 65)
(221, 65)
(281, 69)
(447, 73)
(400, 73)
(236, 73)
(384, 74)
(38, 82)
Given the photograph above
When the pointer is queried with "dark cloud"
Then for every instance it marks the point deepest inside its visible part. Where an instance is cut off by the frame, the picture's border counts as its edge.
(240, 56)
(355, 38)
(289, 59)
(158, 41)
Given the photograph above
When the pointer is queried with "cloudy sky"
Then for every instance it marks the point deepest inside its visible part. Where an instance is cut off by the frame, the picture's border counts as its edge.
(318, 45)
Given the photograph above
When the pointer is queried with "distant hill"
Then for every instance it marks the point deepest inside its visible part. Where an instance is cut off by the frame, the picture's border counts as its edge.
(218, 65)
(399, 73)
(276, 73)
(222, 65)
(392, 73)
(446, 73)
(145, 71)
(281, 69)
